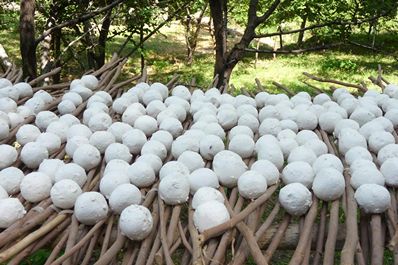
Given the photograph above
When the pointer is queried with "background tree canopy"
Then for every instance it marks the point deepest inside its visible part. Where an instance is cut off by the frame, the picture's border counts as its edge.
(83, 34)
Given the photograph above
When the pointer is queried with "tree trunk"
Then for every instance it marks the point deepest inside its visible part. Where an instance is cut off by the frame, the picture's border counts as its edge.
(103, 38)
(27, 38)
(57, 54)
(89, 44)
(301, 33)
(192, 31)
(217, 10)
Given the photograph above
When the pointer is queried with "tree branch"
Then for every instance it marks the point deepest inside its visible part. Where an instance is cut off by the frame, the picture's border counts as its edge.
(296, 51)
(269, 12)
(77, 20)
(327, 24)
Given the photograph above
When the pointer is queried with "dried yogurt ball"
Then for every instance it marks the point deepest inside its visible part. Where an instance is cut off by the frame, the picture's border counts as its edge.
(366, 175)
(79, 130)
(73, 143)
(136, 222)
(295, 198)
(306, 120)
(156, 148)
(123, 196)
(210, 214)
(117, 151)
(243, 145)
(32, 154)
(206, 194)
(305, 136)
(111, 180)
(141, 174)
(202, 177)
(64, 193)
(59, 128)
(12, 210)
(191, 160)
(327, 161)
(50, 167)
(174, 189)
(50, 141)
(228, 175)
(184, 143)
(100, 122)
(379, 139)
(329, 184)
(349, 138)
(10, 179)
(298, 171)
(90, 208)
(269, 171)
(373, 198)
(273, 153)
(211, 145)
(154, 161)
(27, 133)
(87, 156)
(389, 169)
(165, 137)
(35, 187)
(252, 184)
(8, 155)
(71, 171)
(101, 140)
(147, 124)
(388, 151)
(302, 153)
(173, 167)
(66, 107)
(357, 152)
(240, 129)
(44, 118)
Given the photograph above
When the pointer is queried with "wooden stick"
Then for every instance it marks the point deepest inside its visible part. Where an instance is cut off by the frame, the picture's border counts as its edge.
(163, 235)
(287, 91)
(108, 231)
(26, 241)
(377, 240)
(364, 235)
(321, 234)
(57, 249)
(183, 238)
(175, 215)
(212, 232)
(305, 235)
(91, 247)
(360, 87)
(330, 244)
(44, 76)
(112, 251)
(196, 249)
(71, 238)
(79, 244)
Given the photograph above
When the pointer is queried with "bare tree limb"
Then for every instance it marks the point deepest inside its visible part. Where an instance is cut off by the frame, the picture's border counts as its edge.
(77, 20)
(269, 12)
(295, 51)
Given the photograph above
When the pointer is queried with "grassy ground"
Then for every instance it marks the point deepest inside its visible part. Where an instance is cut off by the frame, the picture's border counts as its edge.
(165, 56)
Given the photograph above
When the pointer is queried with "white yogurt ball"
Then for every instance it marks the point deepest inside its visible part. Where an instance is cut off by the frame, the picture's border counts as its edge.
(228, 176)
(90, 81)
(185, 143)
(7, 105)
(118, 129)
(252, 184)
(79, 130)
(367, 175)
(174, 189)
(210, 145)
(357, 152)
(191, 160)
(295, 198)
(8, 155)
(273, 153)
(345, 123)
(329, 184)
(66, 107)
(136, 222)
(141, 174)
(388, 151)
(44, 118)
(349, 138)
(165, 137)
(87, 156)
(69, 120)
(35, 187)
(73, 143)
(298, 171)
(317, 146)
(71, 171)
(35, 104)
(306, 120)
(134, 139)
(268, 170)
(100, 122)
(156, 148)
(101, 140)
(240, 129)
(389, 169)
(173, 167)
(117, 151)
(328, 121)
(74, 97)
(206, 194)
(153, 160)
(302, 153)
(123, 196)
(305, 136)
(4, 129)
(373, 198)
(59, 128)
(10, 179)
(24, 89)
(50, 167)
(32, 154)
(172, 125)
(243, 145)
(147, 124)
(90, 208)
(210, 214)
(50, 141)
(379, 139)
(27, 133)
(111, 180)
(202, 177)
(12, 210)
(64, 193)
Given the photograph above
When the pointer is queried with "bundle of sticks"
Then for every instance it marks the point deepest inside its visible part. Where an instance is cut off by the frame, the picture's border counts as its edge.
(259, 229)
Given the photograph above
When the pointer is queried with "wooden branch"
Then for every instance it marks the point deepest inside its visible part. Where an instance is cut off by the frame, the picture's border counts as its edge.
(287, 91)
(268, 13)
(212, 232)
(330, 244)
(77, 20)
(319, 79)
(377, 240)
(163, 234)
(42, 77)
(112, 251)
(295, 51)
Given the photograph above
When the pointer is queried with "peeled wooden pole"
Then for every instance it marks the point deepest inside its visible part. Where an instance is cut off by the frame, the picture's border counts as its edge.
(377, 240)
